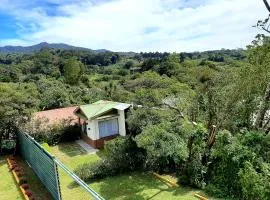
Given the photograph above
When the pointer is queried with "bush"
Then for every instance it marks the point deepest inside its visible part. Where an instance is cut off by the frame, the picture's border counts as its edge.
(54, 134)
(28, 193)
(255, 185)
(7, 146)
(70, 133)
(164, 153)
(122, 155)
(97, 170)
(214, 191)
(236, 167)
(194, 172)
(22, 180)
(25, 186)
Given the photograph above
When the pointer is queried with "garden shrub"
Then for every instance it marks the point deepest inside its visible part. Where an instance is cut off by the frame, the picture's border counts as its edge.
(121, 155)
(22, 180)
(7, 146)
(96, 170)
(213, 190)
(63, 131)
(70, 133)
(25, 186)
(28, 193)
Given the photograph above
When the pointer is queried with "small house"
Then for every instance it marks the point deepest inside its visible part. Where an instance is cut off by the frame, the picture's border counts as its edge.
(102, 121)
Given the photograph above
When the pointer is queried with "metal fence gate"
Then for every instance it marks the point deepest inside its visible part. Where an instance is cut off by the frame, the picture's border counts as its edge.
(41, 162)
(46, 167)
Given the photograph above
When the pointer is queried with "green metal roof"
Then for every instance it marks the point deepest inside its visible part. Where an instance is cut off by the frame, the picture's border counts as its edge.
(98, 108)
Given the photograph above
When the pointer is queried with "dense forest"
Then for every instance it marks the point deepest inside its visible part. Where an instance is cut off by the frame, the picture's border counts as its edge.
(203, 116)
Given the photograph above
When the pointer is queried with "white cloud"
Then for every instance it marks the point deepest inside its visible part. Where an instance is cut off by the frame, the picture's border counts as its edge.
(124, 25)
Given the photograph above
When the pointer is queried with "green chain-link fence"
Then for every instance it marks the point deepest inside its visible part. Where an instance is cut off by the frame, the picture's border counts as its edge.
(41, 162)
(46, 167)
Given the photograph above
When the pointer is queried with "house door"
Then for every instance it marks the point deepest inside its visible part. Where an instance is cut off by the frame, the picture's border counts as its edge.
(108, 127)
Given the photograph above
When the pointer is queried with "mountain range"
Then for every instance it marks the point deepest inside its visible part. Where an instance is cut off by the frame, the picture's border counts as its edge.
(38, 47)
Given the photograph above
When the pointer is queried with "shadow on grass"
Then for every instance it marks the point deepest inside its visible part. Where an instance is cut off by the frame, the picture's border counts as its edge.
(2, 160)
(71, 149)
(5, 172)
(132, 186)
(39, 190)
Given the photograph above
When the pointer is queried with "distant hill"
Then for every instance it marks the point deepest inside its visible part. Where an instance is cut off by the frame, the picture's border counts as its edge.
(37, 47)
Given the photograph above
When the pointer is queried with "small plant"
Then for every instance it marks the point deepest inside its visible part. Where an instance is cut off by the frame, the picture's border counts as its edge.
(28, 193)
(22, 180)
(12, 158)
(12, 161)
(25, 186)
(19, 174)
(13, 165)
(17, 169)
(32, 198)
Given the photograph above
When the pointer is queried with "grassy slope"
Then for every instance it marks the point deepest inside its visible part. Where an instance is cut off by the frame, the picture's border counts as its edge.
(133, 186)
(9, 189)
(38, 189)
(72, 155)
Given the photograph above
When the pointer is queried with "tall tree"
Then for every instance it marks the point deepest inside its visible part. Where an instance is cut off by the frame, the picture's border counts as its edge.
(16, 104)
(73, 70)
(260, 59)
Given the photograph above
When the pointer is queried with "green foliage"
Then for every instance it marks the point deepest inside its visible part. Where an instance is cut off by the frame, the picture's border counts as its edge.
(164, 148)
(179, 98)
(238, 165)
(122, 155)
(255, 183)
(52, 134)
(140, 118)
(194, 170)
(129, 64)
(73, 70)
(53, 94)
(16, 104)
(169, 66)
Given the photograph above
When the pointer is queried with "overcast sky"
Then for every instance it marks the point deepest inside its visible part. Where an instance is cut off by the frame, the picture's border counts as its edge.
(132, 25)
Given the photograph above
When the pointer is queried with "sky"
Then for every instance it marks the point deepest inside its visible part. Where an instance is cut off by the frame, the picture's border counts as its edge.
(132, 25)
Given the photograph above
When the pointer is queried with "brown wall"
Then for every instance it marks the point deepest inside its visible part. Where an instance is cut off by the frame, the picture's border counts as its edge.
(97, 143)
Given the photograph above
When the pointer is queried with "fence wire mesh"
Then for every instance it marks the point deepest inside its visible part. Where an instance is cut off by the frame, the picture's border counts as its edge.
(41, 162)
(59, 180)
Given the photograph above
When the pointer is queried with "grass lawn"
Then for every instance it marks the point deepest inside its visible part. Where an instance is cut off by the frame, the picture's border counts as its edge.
(132, 186)
(9, 188)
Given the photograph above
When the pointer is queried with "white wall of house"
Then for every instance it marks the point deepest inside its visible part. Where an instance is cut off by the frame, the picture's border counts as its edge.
(96, 134)
(121, 121)
(93, 127)
(91, 132)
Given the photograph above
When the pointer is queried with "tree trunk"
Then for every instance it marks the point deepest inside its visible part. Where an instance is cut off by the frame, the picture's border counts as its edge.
(263, 108)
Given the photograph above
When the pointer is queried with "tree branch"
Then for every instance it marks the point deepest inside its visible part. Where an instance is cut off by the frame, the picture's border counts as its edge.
(266, 5)
(266, 30)
(175, 108)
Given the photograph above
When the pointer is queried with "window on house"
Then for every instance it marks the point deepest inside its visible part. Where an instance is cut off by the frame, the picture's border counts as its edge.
(108, 127)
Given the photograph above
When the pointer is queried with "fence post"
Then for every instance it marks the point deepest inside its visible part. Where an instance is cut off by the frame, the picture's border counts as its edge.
(57, 179)
(79, 181)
